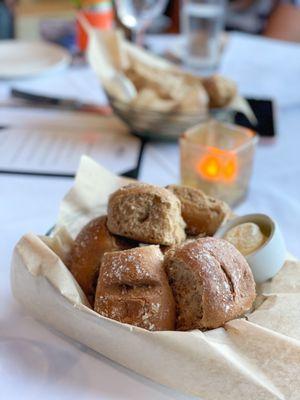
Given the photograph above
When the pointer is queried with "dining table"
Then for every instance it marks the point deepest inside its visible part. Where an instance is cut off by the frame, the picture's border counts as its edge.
(37, 362)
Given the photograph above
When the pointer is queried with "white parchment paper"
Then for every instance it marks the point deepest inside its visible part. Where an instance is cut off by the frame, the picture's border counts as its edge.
(255, 359)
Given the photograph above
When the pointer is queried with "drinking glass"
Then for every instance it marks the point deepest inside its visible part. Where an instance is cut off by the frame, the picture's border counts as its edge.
(137, 15)
(217, 158)
(202, 22)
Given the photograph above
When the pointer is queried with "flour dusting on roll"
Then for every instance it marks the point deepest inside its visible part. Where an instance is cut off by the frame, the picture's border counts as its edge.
(211, 281)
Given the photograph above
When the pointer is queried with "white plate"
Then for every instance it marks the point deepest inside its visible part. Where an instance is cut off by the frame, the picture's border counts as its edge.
(21, 59)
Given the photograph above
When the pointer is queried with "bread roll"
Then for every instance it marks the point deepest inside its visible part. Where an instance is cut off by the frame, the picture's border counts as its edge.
(133, 288)
(211, 281)
(202, 214)
(87, 252)
(221, 91)
(146, 213)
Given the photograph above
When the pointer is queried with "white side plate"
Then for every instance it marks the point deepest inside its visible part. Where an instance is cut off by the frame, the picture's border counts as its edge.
(22, 59)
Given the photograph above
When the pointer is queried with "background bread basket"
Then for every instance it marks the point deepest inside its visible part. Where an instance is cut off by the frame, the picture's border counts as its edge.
(253, 358)
(154, 97)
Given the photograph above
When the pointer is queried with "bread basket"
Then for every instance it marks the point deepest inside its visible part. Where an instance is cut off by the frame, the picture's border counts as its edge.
(163, 126)
(257, 357)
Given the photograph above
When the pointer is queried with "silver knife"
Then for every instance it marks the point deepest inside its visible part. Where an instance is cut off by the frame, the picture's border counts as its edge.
(42, 101)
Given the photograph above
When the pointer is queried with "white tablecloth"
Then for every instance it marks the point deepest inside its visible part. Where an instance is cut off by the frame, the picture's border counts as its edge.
(36, 362)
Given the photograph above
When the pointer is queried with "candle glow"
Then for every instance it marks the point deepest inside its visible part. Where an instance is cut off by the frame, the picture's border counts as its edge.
(218, 165)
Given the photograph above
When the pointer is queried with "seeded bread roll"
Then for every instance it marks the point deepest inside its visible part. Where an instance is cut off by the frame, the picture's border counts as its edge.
(202, 214)
(146, 213)
(87, 252)
(220, 90)
(133, 288)
(211, 281)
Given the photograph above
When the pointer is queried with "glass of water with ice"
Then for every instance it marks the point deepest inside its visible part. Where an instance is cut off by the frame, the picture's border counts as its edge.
(202, 22)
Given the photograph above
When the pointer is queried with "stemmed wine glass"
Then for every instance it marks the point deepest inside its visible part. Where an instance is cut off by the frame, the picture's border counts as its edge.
(137, 15)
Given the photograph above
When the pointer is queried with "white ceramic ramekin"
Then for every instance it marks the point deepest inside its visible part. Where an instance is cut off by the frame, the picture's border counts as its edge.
(270, 257)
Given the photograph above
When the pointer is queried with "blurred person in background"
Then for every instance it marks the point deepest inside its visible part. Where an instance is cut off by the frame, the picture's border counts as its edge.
(279, 19)
(7, 18)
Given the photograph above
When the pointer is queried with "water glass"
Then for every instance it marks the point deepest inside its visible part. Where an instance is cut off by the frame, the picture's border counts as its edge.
(137, 15)
(202, 23)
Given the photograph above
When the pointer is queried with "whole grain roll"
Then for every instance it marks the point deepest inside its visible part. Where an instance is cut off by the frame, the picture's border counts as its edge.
(146, 213)
(202, 214)
(87, 251)
(211, 281)
(133, 288)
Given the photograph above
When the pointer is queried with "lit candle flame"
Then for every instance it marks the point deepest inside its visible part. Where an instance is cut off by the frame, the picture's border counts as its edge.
(218, 165)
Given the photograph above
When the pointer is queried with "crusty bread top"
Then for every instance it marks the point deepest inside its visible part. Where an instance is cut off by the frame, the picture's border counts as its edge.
(87, 251)
(137, 266)
(138, 188)
(203, 214)
(228, 287)
(146, 213)
(133, 288)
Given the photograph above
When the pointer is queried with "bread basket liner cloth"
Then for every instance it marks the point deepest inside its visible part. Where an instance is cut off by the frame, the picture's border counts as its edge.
(251, 358)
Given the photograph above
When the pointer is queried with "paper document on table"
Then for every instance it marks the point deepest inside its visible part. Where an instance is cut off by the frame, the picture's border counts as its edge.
(59, 152)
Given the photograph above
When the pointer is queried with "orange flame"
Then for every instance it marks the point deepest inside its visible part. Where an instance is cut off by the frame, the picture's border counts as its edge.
(218, 165)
